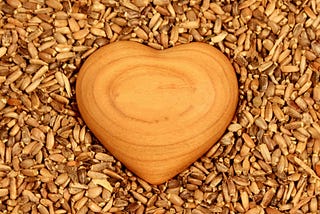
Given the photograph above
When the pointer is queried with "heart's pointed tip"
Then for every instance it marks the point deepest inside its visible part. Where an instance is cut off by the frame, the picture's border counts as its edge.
(155, 174)
(154, 181)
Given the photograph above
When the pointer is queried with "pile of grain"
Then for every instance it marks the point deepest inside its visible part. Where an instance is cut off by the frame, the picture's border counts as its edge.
(268, 160)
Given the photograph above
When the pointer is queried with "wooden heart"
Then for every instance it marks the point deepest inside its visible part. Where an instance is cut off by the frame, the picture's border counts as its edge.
(157, 111)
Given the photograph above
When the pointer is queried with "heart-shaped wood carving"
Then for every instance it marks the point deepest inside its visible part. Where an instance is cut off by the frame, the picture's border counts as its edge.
(157, 111)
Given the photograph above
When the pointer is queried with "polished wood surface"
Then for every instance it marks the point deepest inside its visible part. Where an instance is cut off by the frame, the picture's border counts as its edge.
(157, 111)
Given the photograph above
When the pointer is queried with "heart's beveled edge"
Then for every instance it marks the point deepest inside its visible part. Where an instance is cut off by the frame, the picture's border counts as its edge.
(154, 171)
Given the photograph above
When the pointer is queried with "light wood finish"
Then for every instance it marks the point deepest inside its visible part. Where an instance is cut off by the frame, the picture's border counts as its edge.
(157, 111)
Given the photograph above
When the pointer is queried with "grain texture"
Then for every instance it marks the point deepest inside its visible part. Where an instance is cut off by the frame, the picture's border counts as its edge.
(157, 111)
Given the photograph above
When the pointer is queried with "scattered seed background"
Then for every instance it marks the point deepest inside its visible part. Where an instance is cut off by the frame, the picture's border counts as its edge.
(267, 161)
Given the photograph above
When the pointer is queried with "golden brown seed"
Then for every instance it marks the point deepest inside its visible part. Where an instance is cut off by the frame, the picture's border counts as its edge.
(301, 103)
(54, 4)
(4, 192)
(268, 196)
(278, 112)
(247, 139)
(175, 199)
(216, 8)
(94, 206)
(265, 152)
(104, 183)
(281, 142)
(271, 210)
(244, 199)
(316, 93)
(140, 197)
